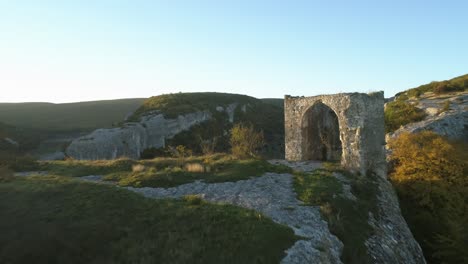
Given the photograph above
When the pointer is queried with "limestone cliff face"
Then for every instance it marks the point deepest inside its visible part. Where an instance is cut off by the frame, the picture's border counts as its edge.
(392, 240)
(133, 137)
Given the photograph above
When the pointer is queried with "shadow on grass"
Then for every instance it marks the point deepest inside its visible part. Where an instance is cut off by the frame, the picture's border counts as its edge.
(51, 219)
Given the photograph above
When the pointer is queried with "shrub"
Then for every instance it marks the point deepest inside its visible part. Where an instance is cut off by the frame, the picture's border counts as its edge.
(245, 141)
(180, 151)
(442, 87)
(151, 153)
(430, 178)
(196, 167)
(402, 97)
(445, 106)
(193, 199)
(399, 113)
(208, 146)
(138, 168)
(414, 93)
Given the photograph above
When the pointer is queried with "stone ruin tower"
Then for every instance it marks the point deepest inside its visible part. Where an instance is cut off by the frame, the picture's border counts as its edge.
(346, 127)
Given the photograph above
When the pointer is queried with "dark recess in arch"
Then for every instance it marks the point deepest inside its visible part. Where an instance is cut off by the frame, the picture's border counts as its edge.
(321, 134)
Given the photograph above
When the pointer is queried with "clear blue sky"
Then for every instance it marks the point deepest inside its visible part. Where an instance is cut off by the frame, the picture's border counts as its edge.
(65, 51)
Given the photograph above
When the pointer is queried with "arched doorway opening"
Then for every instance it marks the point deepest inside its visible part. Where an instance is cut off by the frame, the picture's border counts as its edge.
(321, 134)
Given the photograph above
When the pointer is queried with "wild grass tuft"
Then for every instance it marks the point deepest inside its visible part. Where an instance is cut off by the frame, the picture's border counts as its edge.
(167, 172)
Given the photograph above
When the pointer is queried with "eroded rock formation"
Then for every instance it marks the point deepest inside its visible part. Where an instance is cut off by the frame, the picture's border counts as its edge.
(451, 122)
(132, 138)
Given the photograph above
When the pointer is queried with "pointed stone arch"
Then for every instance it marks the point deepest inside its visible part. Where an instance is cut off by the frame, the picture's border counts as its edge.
(352, 124)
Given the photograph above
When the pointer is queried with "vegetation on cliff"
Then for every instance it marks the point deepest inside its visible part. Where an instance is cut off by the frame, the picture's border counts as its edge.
(430, 176)
(459, 83)
(264, 116)
(347, 218)
(400, 113)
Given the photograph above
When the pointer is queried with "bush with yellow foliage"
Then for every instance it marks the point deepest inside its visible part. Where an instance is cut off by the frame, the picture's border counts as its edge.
(245, 140)
(430, 176)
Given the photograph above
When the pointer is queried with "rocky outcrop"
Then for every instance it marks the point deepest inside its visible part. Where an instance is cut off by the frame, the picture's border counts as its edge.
(451, 122)
(392, 240)
(272, 195)
(453, 125)
(133, 137)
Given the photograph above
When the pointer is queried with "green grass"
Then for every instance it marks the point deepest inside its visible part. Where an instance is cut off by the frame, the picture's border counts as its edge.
(59, 220)
(167, 172)
(400, 113)
(172, 105)
(347, 219)
(77, 168)
(69, 116)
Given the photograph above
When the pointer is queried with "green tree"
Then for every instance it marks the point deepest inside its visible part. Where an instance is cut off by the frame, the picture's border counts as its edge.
(245, 140)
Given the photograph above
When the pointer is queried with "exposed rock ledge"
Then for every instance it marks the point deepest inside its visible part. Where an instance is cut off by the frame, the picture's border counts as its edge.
(273, 196)
(132, 138)
(451, 123)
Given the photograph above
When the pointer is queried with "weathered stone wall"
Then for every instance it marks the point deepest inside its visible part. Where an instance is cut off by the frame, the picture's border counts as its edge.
(361, 122)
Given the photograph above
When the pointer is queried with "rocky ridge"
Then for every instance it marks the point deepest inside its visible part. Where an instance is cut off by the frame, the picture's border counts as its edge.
(132, 138)
(451, 122)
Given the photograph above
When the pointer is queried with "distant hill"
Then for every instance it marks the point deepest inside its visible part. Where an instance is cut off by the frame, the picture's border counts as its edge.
(274, 101)
(18, 140)
(69, 116)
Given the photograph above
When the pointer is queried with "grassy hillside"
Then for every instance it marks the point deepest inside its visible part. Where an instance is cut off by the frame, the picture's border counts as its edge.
(172, 105)
(67, 117)
(264, 116)
(274, 101)
(459, 83)
(52, 219)
(27, 139)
